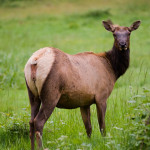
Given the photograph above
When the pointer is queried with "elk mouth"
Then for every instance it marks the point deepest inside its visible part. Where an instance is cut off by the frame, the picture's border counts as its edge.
(122, 47)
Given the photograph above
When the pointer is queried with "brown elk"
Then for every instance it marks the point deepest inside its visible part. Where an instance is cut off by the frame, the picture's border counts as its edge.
(56, 79)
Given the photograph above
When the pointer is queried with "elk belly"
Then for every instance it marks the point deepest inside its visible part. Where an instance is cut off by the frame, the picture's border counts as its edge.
(37, 69)
(75, 100)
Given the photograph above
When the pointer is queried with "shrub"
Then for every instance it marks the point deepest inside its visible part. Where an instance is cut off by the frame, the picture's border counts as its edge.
(139, 129)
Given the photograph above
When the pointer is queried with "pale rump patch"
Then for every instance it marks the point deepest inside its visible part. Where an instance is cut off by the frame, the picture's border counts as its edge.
(43, 59)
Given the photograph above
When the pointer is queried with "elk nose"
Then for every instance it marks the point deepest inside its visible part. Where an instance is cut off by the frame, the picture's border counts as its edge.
(122, 44)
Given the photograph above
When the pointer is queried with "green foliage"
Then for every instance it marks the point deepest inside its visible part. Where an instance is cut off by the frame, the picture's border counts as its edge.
(12, 127)
(139, 130)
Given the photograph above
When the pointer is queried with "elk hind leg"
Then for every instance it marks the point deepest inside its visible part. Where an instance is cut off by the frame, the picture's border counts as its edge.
(49, 102)
(35, 105)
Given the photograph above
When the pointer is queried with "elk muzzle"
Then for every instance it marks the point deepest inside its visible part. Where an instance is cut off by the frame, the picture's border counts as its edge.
(123, 46)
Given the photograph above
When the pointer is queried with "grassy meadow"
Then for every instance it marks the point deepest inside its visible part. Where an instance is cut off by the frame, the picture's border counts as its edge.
(74, 26)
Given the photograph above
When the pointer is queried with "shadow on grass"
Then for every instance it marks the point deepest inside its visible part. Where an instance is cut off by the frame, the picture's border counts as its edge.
(97, 13)
(93, 14)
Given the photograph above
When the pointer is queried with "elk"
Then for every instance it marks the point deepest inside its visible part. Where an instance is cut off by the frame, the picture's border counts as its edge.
(56, 79)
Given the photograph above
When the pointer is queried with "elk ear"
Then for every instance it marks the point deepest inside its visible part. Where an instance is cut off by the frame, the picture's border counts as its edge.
(134, 26)
(109, 26)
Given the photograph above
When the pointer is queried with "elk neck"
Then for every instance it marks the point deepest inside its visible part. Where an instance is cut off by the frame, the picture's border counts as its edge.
(119, 60)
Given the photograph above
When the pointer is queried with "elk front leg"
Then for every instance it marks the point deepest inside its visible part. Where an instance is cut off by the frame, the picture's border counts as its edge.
(85, 113)
(101, 109)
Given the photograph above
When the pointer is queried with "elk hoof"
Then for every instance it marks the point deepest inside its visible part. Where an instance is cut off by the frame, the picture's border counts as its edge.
(103, 132)
(38, 134)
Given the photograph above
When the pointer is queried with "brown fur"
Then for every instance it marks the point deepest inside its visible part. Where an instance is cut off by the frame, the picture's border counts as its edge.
(78, 81)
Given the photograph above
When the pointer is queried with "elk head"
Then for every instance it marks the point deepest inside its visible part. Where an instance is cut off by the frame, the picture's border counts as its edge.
(121, 34)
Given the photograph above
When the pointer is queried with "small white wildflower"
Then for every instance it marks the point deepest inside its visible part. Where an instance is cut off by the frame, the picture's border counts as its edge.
(118, 128)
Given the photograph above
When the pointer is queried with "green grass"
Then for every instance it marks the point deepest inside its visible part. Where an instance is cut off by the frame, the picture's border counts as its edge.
(26, 27)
